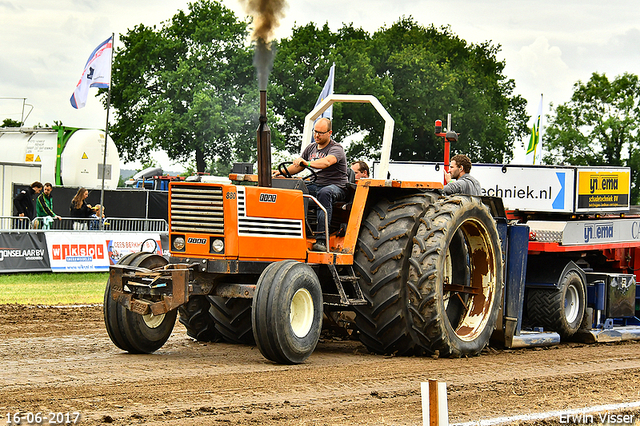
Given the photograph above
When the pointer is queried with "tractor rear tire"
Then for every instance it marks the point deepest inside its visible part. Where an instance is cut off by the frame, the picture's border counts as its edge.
(410, 251)
(232, 318)
(560, 310)
(133, 332)
(287, 312)
(194, 315)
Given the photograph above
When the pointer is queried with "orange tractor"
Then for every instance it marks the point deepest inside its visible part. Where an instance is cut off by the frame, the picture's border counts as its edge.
(422, 272)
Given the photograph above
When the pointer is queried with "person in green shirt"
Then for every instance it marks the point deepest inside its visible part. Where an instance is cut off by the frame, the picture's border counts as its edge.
(44, 208)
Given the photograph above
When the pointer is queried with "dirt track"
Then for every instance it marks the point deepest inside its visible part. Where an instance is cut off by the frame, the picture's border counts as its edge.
(61, 360)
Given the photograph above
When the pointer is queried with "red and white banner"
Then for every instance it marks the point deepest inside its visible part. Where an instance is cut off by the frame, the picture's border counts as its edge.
(91, 252)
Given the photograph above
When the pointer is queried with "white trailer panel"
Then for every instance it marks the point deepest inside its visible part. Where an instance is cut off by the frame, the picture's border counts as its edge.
(10, 174)
(542, 189)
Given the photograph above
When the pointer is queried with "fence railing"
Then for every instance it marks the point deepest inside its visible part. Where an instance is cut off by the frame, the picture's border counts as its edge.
(119, 224)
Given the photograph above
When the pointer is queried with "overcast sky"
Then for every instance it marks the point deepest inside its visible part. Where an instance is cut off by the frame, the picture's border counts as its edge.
(547, 45)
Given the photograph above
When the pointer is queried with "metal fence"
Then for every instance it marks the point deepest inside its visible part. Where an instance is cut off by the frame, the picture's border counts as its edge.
(8, 223)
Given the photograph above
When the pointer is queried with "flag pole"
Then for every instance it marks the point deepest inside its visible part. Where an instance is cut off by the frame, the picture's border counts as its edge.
(106, 136)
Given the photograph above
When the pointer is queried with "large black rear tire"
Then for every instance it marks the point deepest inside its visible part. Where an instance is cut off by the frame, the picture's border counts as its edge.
(431, 268)
(133, 332)
(287, 312)
(194, 315)
(232, 318)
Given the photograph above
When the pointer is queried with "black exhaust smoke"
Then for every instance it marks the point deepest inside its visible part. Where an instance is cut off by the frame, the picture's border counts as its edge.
(266, 14)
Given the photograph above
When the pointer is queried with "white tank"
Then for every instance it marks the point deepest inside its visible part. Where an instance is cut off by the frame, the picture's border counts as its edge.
(80, 160)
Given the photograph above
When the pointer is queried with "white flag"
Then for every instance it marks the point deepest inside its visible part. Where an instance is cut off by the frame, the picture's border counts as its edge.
(97, 73)
(326, 91)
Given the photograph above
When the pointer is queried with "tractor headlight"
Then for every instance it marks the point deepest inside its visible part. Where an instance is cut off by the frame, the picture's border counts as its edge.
(178, 243)
(217, 245)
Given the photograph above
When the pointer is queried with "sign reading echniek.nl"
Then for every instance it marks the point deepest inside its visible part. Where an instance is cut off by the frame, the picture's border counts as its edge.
(541, 189)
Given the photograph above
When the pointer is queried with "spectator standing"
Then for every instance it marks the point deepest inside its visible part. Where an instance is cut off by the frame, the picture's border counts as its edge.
(24, 201)
(44, 207)
(80, 209)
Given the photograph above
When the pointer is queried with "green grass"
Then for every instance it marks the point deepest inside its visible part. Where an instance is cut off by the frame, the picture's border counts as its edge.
(53, 289)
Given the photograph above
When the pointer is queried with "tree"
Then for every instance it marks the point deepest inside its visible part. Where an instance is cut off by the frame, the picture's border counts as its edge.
(9, 122)
(301, 67)
(419, 74)
(185, 88)
(435, 73)
(598, 126)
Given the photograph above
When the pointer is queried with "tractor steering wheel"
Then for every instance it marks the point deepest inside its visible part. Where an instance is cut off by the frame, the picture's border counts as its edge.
(284, 171)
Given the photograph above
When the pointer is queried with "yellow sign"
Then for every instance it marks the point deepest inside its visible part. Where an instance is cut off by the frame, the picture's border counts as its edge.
(29, 157)
(603, 188)
(38, 158)
(84, 156)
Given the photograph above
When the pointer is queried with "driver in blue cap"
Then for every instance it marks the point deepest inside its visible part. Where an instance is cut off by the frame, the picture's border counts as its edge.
(327, 158)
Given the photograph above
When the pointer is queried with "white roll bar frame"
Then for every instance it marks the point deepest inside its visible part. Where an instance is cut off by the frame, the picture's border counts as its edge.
(385, 152)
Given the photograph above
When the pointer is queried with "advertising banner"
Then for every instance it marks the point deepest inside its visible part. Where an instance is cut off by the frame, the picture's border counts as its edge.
(95, 251)
(524, 188)
(539, 189)
(26, 251)
(601, 231)
(603, 189)
(120, 245)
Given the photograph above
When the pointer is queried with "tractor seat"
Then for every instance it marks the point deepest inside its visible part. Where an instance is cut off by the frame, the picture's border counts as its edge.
(342, 209)
(351, 190)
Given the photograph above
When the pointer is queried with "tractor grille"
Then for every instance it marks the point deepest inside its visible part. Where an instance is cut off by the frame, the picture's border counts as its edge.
(197, 209)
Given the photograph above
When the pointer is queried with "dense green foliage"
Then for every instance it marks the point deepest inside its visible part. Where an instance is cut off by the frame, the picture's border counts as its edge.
(186, 88)
(598, 126)
(9, 122)
(189, 88)
(419, 74)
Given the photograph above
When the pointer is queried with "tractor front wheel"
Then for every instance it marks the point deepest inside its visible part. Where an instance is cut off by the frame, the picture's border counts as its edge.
(133, 332)
(287, 312)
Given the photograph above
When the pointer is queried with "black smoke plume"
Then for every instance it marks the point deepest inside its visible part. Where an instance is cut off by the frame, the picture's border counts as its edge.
(266, 18)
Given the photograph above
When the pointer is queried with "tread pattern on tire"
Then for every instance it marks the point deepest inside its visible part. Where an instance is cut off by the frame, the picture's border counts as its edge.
(546, 308)
(386, 326)
(232, 319)
(271, 316)
(194, 315)
(397, 257)
(122, 324)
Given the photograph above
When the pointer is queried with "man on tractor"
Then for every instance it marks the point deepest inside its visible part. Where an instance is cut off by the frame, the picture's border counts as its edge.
(327, 158)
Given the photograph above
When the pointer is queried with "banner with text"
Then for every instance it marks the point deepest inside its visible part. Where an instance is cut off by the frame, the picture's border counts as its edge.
(603, 189)
(23, 252)
(524, 188)
(91, 252)
(120, 245)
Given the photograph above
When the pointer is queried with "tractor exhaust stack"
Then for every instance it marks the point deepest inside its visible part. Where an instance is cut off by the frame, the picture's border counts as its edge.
(264, 144)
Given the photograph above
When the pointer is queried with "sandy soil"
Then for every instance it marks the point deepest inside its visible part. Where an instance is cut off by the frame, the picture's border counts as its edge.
(61, 360)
